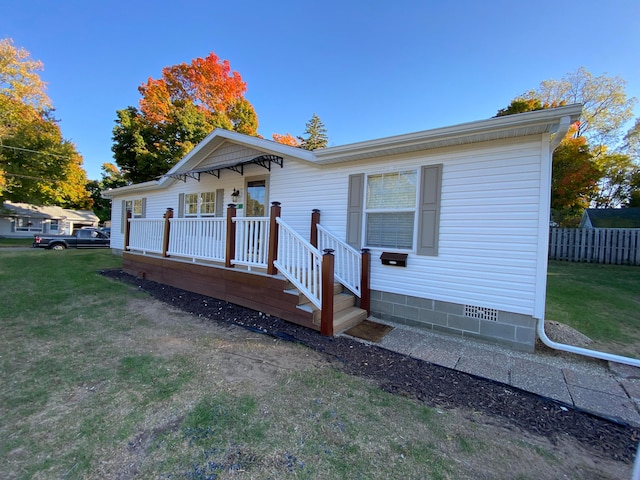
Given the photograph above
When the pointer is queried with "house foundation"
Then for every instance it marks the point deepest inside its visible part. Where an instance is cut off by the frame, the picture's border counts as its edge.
(493, 326)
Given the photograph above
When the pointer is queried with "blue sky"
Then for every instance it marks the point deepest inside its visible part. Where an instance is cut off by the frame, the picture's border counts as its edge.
(368, 68)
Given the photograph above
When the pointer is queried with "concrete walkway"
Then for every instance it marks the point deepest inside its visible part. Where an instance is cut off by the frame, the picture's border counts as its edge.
(606, 389)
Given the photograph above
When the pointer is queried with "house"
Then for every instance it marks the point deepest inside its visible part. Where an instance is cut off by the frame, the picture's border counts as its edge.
(449, 226)
(25, 220)
(610, 218)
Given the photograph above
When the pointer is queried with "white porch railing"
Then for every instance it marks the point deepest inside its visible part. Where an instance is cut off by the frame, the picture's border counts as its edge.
(299, 262)
(198, 238)
(347, 262)
(252, 241)
(146, 234)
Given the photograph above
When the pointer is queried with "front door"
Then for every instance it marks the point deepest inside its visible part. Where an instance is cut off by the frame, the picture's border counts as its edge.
(256, 205)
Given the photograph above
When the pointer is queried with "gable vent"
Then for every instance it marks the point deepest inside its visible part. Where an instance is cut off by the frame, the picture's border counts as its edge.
(481, 313)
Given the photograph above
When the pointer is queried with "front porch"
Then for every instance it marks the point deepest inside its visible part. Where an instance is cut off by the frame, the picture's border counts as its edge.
(256, 262)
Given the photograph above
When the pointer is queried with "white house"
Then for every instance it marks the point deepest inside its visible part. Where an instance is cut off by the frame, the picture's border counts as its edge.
(456, 218)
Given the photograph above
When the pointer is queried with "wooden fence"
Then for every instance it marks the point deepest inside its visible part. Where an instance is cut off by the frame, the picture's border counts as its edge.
(619, 246)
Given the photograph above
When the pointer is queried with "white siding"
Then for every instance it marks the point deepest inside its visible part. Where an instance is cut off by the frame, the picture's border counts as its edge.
(489, 219)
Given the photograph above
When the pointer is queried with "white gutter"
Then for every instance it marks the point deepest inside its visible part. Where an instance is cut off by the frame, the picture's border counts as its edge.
(563, 128)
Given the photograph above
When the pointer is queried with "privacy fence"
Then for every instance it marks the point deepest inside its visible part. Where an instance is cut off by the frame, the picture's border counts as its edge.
(619, 246)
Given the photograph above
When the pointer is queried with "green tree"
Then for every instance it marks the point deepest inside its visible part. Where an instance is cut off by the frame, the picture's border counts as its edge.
(616, 185)
(178, 111)
(37, 165)
(111, 177)
(315, 135)
(606, 106)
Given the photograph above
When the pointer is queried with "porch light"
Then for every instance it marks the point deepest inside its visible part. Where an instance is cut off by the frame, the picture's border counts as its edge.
(234, 195)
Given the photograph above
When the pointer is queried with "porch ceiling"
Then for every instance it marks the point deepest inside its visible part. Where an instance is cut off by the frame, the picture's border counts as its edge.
(264, 161)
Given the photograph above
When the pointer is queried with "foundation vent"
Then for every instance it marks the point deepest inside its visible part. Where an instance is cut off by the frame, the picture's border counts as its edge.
(481, 313)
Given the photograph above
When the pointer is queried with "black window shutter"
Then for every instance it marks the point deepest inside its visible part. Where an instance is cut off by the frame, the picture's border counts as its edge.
(354, 210)
(429, 210)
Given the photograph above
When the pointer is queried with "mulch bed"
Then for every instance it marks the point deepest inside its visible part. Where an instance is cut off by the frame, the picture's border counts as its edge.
(430, 384)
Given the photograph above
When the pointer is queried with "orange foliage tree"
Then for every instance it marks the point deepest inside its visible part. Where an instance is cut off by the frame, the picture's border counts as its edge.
(176, 112)
(286, 139)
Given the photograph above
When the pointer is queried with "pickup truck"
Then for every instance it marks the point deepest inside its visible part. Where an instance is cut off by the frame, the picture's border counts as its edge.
(83, 238)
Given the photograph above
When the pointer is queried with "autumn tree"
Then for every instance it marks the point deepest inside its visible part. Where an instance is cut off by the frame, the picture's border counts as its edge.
(178, 111)
(286, 139)
(574, 180)
(606, 106)
(37, 165)
(616, 185)
(315, 134)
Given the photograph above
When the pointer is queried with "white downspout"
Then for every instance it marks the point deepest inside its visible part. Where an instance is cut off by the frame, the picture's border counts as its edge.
(563, 128)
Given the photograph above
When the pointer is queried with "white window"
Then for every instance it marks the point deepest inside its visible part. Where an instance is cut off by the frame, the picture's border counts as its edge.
(390, 209)
(135, 207)
(54, 226)
(201, 204)
(25, 224)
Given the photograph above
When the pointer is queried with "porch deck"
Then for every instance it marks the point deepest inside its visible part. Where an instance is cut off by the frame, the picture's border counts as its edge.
(261, 265)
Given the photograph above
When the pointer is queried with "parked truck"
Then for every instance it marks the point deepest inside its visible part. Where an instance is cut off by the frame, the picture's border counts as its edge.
(83, 238)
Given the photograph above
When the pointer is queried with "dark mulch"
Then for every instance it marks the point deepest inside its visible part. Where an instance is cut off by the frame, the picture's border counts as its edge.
(431, 384)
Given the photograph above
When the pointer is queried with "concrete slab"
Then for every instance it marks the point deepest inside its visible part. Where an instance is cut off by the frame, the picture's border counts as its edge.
(624, 371)
(632, 387)
(599, 383)
(542, 379)
(437, 356)
(611, 406)
(484, 369)
(401, 340)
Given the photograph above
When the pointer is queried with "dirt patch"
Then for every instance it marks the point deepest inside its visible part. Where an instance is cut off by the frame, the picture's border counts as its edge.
(518, 414)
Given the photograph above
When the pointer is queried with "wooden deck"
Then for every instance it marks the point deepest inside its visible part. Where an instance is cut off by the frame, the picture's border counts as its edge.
(255, 290)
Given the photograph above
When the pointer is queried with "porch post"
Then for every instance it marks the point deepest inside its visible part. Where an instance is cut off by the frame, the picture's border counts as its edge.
(326, 317)
(127, 230)
(231, 236)
(272, 254)
(168, 215)
(365, 292)
(315, 220)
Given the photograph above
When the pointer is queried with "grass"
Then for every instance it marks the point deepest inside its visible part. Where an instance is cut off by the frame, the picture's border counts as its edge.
(600, 301)
(16, 242)
(98, 381)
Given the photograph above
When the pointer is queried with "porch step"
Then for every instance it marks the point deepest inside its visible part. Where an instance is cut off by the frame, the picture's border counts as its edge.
(345, 313)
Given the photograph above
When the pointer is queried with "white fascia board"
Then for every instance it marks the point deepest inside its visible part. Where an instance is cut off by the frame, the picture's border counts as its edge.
(548, 118)
(127, 189)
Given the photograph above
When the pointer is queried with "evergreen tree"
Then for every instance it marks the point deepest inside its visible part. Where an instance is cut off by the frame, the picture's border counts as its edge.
(316, 134)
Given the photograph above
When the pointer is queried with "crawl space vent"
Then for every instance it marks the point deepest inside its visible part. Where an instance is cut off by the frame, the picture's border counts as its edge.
(481, 312)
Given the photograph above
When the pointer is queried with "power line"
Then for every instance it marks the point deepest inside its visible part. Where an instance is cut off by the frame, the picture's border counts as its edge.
(35, 151)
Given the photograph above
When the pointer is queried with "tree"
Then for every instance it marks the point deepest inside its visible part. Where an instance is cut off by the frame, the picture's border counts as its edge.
(606, 106)
(286, 139)
(37, 165)
(615, 186)
(316, 134)
(178, 111)
(574, 180)
(111, 178)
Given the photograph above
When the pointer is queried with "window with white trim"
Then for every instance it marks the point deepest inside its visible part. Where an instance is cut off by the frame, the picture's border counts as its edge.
(202, 204)
(390, 209)
(135, 207)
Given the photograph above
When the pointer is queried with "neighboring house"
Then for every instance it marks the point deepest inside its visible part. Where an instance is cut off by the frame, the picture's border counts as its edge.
(25, 220)
(610, 218)
(456, 219)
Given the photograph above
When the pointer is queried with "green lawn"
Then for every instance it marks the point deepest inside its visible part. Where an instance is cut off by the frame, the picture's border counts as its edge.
(97, 380)
(600, 301)
(16, 242)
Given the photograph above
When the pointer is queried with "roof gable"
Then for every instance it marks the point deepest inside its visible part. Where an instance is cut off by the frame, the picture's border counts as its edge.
(614, 217)
(49, 211)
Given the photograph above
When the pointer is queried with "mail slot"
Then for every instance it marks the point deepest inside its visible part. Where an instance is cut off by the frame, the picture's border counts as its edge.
(394, 259)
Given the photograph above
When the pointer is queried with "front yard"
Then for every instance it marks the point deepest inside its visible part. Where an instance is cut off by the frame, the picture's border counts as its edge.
(98, 380)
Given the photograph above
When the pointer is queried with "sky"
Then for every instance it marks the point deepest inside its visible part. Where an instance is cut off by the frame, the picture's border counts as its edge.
(367, 68)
